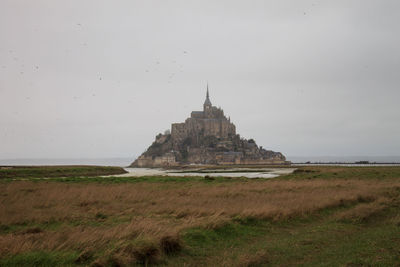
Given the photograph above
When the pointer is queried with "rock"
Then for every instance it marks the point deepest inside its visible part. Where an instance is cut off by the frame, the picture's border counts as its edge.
(207, 137)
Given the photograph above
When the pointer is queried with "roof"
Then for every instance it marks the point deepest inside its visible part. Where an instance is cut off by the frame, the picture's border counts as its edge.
(207, 102)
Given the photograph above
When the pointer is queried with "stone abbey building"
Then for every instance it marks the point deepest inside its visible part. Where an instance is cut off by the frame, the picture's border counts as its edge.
(207, 137)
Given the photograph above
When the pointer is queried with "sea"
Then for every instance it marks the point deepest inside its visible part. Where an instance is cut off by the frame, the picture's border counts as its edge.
(126, 161)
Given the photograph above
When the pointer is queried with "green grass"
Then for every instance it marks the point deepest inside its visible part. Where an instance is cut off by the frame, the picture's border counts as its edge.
(224, 171)
(90, 174)
(144, 179)
(317, 240)
(17, 228)
(18, 172)
(41, 258)
(339, 172)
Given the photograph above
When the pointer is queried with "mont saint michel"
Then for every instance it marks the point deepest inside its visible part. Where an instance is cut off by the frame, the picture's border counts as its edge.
(206, 137)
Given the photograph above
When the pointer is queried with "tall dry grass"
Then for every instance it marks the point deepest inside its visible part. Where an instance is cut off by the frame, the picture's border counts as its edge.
(93, 216)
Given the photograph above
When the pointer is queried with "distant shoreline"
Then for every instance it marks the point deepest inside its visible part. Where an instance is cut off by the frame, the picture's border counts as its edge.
(126, 161)
(346, 164)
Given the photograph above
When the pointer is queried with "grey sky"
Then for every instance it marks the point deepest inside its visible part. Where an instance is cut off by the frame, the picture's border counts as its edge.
(101, 78)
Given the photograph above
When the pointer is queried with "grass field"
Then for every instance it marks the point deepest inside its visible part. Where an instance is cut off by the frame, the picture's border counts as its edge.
(18, 172)
(330, 216)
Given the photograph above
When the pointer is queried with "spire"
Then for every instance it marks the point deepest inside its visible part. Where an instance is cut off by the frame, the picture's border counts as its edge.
(207, 102)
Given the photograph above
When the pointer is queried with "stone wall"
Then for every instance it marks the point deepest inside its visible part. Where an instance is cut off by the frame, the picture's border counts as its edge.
(143, 161)
(168, 159)
(262, 161)
(207, 137)
(221, 128)
(179, 131)
(201, 156)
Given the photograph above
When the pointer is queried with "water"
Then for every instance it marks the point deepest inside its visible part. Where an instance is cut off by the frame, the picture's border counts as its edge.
(233, 172)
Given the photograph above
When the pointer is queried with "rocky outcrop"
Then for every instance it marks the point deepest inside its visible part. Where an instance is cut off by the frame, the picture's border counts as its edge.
(207, 137)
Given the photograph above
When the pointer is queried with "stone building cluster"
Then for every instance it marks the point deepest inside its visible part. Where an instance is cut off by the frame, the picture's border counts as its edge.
(207, 137)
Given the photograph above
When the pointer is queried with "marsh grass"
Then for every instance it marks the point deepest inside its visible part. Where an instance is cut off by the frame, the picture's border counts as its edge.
(141, 220)
(18, 172)
(171, 245)
(254, 260)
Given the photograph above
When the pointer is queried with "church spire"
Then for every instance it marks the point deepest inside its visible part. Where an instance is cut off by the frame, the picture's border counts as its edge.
(207, 103)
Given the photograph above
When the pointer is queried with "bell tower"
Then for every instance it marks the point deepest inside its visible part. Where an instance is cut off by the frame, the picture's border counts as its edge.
(207, 104)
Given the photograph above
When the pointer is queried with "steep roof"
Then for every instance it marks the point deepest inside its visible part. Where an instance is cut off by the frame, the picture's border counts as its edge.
(207, 102)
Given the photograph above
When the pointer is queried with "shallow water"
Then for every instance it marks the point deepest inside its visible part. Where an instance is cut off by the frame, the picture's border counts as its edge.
(234, 172)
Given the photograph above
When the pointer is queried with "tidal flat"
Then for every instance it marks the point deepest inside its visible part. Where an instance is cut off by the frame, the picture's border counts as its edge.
(315, 215)
(265, 172)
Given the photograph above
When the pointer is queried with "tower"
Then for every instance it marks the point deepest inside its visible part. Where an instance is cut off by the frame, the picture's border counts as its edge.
(207, 104)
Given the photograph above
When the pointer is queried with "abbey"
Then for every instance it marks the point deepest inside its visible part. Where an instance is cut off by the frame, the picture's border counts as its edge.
(207, 137)
(209, 122)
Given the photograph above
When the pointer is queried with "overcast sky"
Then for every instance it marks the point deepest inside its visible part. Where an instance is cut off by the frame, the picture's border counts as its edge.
(101, 78)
